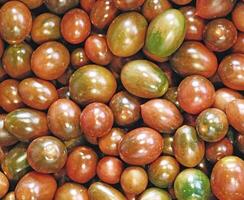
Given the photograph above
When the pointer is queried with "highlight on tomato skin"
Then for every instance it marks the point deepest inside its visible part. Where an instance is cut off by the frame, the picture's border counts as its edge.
(214, 33)
(121, 99)
(15, 22)
(210, 9)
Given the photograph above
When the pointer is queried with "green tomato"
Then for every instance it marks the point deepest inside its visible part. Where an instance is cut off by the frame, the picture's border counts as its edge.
(192, 184)
(126, 34)
(144, 79)
(99, 190)
(165, 34)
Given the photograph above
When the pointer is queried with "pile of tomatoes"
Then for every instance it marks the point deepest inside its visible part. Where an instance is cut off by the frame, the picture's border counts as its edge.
(122, 99)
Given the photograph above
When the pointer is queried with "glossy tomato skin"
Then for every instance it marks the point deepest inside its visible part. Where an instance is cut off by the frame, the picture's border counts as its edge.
(163, 171)
(240, 143)
(56, 103)
(192, 184)
(99, 190)
(194, 24)
(41, 93)
(152, 8)
(9, 196)
(102, 13)
(16, 60)
(155, 82)
(50, 60)
(109, 169)
(227, 169)
(92, 83)
(235, 114)
(96, 120)
(60, 6)
(15, 164)
(141, 146)
(46, 27)
(126, 108)
(32, 4)
(153, 193)
(237, 16)
(10, 99)
(210, 9)
(171, 95)
(223, 96)
(73, 143)
(190, 119)
(212, 125)
(204, 166)
(126, 34)
(63, 93)
(81, 164)
(15, 22)
(87, 5)
(195, 94)
(26, 124)
(181, 2)
(128, 4)
(118, 63)
(168, 144)
(97, 50)
(4, 184)
(109, 143)
(78, 58)
(64, 78)
(71, 191)
(75, 26)
(167, 69)
(155, 58)
(47, 154)
(160, 32)
(161, 115)
(217, 150)
(63, 119)
(220, 35)
(131, 196)
(3, 74)
(91, 139)
(238, 47)
(6, 139)
(134, 180)
(45, 186)
(193, 58)
(189, 149)
(231, 71)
